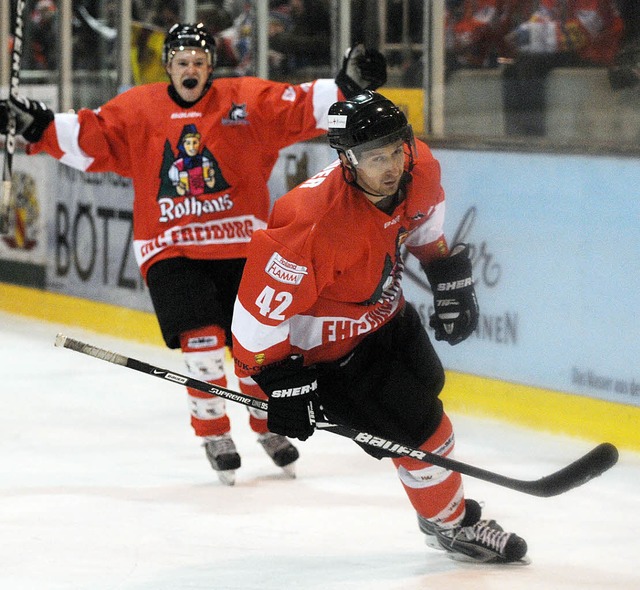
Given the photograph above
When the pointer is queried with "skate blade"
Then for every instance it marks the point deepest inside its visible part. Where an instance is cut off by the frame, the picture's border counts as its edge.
(290, 470)
(432, 541)
(228, 477)
(462, 558)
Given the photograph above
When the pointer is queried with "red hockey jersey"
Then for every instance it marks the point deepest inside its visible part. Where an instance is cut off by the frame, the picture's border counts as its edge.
(327, 271)
(199, 173)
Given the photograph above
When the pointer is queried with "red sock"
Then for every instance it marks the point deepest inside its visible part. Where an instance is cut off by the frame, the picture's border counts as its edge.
(204, 352)
(257, 418)
(436, 493)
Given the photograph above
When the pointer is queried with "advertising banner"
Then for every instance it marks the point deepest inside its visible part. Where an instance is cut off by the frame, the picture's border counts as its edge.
(556, 243)
(31, 193)
(90, 240)
(32, 189)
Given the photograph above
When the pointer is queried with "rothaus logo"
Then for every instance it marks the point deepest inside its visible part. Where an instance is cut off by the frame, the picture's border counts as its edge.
(171, 210)
(284, 271)
(295, 391)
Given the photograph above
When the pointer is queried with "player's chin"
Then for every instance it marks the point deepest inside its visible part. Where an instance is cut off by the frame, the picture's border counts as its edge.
(190, 94)
(389, 188)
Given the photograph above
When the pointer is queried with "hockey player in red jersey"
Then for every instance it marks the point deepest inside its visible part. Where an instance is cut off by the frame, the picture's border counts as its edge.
(321, 324)
(200, 152)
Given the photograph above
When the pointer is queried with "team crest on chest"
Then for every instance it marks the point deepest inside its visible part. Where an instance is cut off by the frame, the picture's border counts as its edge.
(191, 170)
(237, 115)
(388, 287)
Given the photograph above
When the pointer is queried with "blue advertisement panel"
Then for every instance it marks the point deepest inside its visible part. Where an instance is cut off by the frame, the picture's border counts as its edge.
(556, 243)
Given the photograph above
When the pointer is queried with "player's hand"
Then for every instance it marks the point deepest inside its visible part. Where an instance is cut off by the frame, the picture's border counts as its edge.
(362, 69)
(291, 388)
(454, 297)
(32, 117)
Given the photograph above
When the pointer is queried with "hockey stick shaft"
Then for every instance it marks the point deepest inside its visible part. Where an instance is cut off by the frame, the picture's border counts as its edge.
(594, 463)
(10, 139)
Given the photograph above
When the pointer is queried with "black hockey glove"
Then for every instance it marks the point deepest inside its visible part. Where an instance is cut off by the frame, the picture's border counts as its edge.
(290, 388)
(454, 297)
(362, 69)
(32, 117)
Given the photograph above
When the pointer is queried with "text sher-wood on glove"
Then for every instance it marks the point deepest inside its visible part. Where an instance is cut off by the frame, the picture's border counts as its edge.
(362, 69)
(454, 297)
(32, 117)
(290, 387)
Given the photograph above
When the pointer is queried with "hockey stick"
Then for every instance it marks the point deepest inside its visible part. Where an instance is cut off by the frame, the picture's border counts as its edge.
(10, 139)
(594, 463)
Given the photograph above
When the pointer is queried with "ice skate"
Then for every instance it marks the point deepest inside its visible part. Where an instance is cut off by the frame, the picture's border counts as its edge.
(281, 451)
(223, 456)
(476, 540)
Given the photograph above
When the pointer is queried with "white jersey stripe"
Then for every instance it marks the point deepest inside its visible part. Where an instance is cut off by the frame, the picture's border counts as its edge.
(253, 335)
(325, 93)
(430, 230)
(68, 132)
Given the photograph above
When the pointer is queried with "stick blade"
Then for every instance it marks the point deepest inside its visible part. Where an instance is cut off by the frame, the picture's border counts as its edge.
(591, 465)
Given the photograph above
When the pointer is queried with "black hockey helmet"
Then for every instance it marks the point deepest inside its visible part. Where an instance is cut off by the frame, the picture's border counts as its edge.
(184, 35)
(367, 121)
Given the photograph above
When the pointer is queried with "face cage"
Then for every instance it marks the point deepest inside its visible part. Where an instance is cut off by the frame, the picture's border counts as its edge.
(211, 55)
(350, 172)
(405, 134)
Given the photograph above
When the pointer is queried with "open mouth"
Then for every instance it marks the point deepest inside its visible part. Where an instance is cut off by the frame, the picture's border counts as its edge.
(190, 83)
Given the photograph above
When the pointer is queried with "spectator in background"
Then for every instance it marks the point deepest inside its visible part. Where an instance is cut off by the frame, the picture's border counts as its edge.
(147, 41)
(236, 42)
(306, 41)
(217, 17)
(545, 34)
(625, 71)
(42, 36)
(471, 39)
(630, 14)
(470, 34)
(95, 30)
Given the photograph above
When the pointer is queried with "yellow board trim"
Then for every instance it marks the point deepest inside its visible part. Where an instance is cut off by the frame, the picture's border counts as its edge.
(411, 102)
(550, 411)
(543, 409)
(92, 315)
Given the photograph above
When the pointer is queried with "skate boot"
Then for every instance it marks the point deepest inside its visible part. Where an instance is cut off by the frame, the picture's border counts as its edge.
(223, 456)
(281, 451)
(475, 540)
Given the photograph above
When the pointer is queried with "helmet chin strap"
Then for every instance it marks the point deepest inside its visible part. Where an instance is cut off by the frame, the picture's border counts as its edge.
(353, 181)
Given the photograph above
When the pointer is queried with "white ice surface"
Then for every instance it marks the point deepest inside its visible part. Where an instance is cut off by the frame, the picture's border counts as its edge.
(104, 487)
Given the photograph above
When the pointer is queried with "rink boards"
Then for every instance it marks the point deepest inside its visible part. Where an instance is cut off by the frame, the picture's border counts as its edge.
(556, 265)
